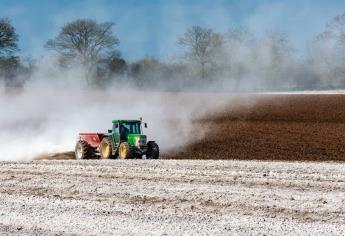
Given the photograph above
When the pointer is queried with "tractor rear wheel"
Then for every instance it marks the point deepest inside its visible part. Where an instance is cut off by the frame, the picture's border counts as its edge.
(152, 150)
(124, 151)
(83, 150)
(106, 148)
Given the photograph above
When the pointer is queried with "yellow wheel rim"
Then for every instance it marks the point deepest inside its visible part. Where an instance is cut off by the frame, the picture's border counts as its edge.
(105, 150)
(123, 152)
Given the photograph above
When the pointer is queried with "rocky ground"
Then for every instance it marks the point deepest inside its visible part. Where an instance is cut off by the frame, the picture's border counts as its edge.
(171, 197)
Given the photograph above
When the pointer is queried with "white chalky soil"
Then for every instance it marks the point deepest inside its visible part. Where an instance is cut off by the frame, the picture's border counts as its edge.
(173, 197)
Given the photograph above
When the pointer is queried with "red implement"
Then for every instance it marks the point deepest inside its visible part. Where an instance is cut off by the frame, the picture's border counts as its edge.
(93, 139)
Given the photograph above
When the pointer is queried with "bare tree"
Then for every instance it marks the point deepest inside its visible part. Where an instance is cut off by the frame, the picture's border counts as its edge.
(9, 63)
(241, 35)
(279, 45)
(274, 55)
(116, 64)
(202, 44)
(8, 38)
(84, 41)
(328, 48)
(336, 29)
(239, 53)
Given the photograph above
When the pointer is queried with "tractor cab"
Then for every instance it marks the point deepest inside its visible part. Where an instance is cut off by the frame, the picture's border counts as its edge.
(123, 128)
(128, 131)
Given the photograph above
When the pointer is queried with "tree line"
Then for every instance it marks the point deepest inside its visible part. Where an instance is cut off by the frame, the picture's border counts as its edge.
(232, 60)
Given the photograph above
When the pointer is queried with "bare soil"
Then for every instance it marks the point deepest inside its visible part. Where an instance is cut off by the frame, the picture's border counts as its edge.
(308, 127)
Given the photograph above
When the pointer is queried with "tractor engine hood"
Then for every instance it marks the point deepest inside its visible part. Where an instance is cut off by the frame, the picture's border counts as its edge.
(137, 140)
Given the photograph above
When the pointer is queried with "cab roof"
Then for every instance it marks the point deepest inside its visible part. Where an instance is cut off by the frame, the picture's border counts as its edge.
(123, 121)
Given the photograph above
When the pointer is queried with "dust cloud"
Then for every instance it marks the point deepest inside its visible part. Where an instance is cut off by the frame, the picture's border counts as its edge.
(46, 115)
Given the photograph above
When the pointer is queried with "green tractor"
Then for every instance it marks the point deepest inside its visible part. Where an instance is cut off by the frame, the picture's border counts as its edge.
(124, 141)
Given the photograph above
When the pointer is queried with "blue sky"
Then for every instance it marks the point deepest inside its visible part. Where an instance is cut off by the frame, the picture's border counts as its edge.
(151, 27)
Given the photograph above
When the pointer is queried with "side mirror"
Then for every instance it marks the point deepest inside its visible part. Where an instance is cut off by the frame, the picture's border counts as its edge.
(110, 131)
(145, 125)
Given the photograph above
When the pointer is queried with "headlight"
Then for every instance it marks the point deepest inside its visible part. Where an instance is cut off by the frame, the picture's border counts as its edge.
(137, 141)
(140, 141)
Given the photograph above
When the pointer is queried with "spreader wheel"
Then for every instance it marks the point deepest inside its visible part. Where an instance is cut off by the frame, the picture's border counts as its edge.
(106, 148)
(83, 150)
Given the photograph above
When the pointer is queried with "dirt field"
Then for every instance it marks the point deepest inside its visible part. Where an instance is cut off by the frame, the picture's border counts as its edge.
(307, 127)
(171, 197)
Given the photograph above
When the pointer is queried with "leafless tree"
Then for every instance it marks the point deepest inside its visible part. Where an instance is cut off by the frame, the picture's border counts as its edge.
(8, 38)
(202, 44)
(240, 35)
(9, 62)
(274, 57)
(328, 49)
(85, 41)
(239, 53)
(336, 29)
(279, 45)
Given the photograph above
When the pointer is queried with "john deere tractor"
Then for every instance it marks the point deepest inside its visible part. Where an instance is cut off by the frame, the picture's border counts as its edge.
(124, 141)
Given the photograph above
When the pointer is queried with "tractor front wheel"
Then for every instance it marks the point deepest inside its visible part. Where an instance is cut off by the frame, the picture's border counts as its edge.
(106, 148)
(124, 151)
(152, 150)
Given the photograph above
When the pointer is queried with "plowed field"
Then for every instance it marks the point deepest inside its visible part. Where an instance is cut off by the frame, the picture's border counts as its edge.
(274, 127)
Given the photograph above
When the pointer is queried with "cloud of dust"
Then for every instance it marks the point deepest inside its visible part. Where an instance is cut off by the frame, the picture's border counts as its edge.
(48, 113)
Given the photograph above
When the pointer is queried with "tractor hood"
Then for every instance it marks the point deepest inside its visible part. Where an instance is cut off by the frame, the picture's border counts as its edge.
(137, 139)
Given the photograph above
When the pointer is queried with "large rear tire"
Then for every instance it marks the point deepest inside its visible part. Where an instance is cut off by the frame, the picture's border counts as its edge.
(152, 150)
(106, 148)
(124, 151)
(83, 150)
